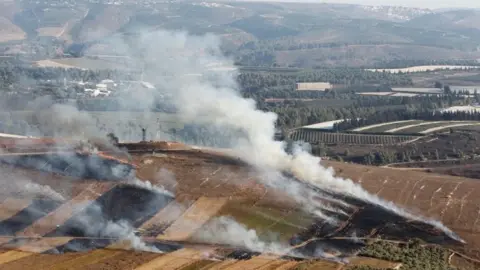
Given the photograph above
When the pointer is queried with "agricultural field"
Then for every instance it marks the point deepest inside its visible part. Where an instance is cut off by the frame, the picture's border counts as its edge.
(315, 137)
(213, 188)
(414, 127)
(423, 68)
(51, 31)
(388, 94)
(382, 127)
(81, 63)
(451, 199)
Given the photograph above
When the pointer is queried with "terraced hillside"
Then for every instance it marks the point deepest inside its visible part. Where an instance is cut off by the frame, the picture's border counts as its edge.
(315, 137)
(415, 127)
(215, 214)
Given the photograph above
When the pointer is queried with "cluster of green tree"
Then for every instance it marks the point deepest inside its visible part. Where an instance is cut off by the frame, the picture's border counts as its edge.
(286, 43)
(119, 104)
(381, 158)
(211, 136)
(368, 110)
(255, 58)
(263, 52)
(283, 85)
(262, 28)
(14, 74)
(413, 255)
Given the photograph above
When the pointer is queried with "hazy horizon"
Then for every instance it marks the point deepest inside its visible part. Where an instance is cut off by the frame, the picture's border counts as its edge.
(432, 4)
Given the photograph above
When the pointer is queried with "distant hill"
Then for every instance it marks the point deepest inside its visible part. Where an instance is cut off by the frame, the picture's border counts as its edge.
(454, 19)
(283, 30)
(100, 21)
(9, 31)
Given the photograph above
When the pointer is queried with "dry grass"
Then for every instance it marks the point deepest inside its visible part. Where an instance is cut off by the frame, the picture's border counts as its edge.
(9, 31)
(53, 63)
(50, 31)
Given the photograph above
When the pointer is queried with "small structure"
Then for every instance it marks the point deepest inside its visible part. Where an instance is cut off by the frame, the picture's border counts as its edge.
(313, 86)
(101, 86)
(147, 85)
(108, 83)
(144, 135)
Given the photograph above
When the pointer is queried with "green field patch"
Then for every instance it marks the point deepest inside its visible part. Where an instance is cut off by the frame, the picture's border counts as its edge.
(267, 221)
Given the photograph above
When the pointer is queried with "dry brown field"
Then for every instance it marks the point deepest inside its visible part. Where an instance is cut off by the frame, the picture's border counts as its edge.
(206, 185)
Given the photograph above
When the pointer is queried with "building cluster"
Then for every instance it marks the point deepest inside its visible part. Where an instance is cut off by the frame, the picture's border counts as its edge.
(107, 87)
(102, 89)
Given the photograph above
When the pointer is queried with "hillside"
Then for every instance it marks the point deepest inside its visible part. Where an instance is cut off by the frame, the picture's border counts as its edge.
(456, 19)
(282, 30)
(220, 214)
(9, 31)
(450, 199)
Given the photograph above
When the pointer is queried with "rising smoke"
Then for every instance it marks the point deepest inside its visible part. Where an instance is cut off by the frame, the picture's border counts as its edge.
(171, 60)
(94, 223)
(213, 100)
(225, 230)
(13, 183)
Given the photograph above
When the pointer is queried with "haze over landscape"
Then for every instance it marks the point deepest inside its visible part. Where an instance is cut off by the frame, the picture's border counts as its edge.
(239, 135)
(432, 4)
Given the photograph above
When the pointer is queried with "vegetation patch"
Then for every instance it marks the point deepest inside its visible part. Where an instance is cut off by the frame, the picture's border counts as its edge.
(413, 255)
(197, 265)
(265, 220)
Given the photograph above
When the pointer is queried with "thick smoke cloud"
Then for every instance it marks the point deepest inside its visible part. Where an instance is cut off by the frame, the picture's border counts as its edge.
(172, 61)
(12, 183)
(213, 99)
(94, 223)
(225, 230)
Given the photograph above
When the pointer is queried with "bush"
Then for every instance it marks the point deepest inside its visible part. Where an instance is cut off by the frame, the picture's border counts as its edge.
(413, 255)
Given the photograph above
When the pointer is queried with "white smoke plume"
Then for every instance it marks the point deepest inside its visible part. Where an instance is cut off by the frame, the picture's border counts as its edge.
(225, 230)
(13, 183)
(213, 100)
(164, 179)
(167, 179)
(42, 190)
(94, 223)
(145, 184)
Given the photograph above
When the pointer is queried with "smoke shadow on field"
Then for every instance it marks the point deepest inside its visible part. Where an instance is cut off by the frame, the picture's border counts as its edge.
(124, 203)
(81, 245)
(37, 209)
(75, 165)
